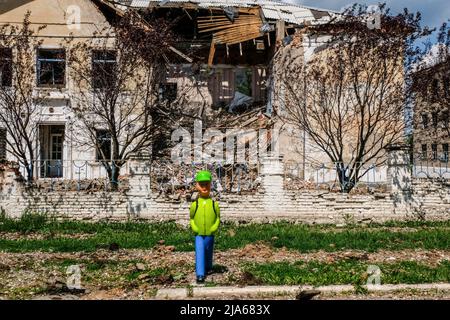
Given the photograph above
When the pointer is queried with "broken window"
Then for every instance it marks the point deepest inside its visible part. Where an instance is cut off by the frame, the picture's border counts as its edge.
(434, 117)
(445, 152)
(434, 151)
(446, 84)
(51, 67)
(103, 145)
(221, 84)
(225, 82)
(243, 81)
(3, 144)
(424, 151)
(104, 65)
(434, 89)
(444, 117)
(167, 92)
(5, 67)
(424, 120)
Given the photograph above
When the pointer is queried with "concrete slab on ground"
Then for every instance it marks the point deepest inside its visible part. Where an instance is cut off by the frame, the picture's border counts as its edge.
(267, 291)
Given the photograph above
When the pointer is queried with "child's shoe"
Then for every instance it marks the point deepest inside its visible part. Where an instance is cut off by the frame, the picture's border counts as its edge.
(200, 279)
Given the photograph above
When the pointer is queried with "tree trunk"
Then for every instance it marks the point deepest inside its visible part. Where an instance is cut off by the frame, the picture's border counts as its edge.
(113, 171)
(347, 183)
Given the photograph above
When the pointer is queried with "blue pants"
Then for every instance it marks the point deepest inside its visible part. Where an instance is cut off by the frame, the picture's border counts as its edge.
(204, 246)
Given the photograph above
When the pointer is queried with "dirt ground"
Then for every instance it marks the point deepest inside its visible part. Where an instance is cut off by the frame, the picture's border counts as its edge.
(121, 274)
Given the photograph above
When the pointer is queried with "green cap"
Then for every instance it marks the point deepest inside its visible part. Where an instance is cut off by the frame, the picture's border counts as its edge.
(203, 176)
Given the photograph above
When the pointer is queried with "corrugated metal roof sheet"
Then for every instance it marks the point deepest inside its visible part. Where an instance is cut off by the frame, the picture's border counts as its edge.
(272, 10)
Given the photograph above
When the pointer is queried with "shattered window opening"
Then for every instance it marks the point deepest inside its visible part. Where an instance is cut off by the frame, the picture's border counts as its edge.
(243, 80)
(168, 92)
(6, 67)
(434, 154)
(51, 67)
(424, 151)
(445, 115)
(3, 134)
(104, 63)
(424, 120)
(434, 117)
(445, 152)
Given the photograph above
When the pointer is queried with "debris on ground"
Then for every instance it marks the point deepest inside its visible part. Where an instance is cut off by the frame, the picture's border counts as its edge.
(307, 294)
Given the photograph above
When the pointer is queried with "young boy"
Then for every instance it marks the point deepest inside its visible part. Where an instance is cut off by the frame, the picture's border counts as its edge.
(204, 219)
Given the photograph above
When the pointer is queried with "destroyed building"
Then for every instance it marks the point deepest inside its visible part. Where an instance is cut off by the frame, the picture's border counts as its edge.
(431, 113)
(221, 68)
(233, 45)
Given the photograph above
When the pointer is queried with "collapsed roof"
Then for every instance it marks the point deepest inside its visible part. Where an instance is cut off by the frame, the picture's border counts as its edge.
(230, 22)
(271, 10)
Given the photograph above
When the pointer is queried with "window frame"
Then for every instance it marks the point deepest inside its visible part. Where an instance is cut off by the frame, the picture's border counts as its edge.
(445, 152)
(444, 118)
(3, 143)
(424, 151)
(3, 63)
(424, 120)
(435, 119)
(39, 62)
(105, 61)
(434, 152)
(446, 86)
(248, 75)
(434, 89)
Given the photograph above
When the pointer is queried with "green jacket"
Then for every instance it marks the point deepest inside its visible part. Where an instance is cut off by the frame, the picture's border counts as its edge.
(205, 221)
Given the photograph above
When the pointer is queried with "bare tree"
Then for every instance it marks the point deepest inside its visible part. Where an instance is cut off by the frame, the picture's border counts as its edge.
(20, 104)
(116, 99)
(350, 98)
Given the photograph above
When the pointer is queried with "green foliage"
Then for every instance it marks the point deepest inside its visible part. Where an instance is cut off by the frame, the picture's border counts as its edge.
(28, 222)
(347, 272)
(304, 238)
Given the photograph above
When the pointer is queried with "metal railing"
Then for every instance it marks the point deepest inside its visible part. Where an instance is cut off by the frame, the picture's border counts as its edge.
(431, 167)
(167, 177)
(299, 175)
(76, 175)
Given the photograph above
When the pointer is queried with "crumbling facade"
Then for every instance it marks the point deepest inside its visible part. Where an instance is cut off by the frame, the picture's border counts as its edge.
(431, 133)
(222, 65)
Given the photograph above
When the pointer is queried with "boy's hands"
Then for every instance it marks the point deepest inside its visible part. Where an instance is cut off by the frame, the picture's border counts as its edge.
(194, 226)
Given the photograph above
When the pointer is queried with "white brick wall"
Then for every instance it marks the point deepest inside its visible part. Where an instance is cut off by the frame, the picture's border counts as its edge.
(423, 198)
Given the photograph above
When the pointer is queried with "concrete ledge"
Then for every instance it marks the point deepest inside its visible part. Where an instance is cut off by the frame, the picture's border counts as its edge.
(259, 291)
(177, 293)
(203, 292)
(422, 286)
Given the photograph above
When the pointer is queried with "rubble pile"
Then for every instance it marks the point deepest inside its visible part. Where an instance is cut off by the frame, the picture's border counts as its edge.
(88, 185)
(178, 181)
(297, 183)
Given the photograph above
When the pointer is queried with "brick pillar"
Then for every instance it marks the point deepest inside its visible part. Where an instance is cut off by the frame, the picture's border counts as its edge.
(13, 200)
(399, 175)
(399, 169)
(139, 185)
(272, 172)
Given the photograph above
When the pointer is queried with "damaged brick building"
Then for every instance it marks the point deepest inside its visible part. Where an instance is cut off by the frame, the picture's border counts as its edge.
(223, 72)
(431, 115)
(221, 68)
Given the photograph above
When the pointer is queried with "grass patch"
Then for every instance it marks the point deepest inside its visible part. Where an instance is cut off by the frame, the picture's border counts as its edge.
(23, 293)
(153, 273)
(346, 272)
(143, 235)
